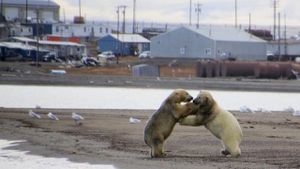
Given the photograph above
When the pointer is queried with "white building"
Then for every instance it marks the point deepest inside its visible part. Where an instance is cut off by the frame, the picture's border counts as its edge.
(290, 48)
(208, 43)
(80, 30)
(15, 10)
(61, 49)
(20, 30)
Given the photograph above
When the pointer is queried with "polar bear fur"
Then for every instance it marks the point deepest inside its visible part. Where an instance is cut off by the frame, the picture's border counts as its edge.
(218, 121)
(162, 122)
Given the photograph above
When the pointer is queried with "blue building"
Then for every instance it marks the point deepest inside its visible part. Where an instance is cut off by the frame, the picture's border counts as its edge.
(124, 44)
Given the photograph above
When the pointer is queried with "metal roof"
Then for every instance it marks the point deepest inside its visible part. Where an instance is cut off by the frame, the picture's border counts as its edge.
(18, 45)
(130, 38)
(32, 2)
(44, 42)
(220, 33)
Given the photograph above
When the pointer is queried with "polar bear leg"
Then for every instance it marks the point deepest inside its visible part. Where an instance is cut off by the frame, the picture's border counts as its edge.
(157, 149)
(232, 148)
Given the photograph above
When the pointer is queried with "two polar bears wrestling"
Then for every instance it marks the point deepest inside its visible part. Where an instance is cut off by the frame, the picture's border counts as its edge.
(204, 110)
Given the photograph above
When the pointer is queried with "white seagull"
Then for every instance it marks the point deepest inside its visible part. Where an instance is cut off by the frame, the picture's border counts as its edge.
(134, 120)
(33, 114)
(296, 113)
(76, 117)
(289, 110)
(52, 116)
(262, 110)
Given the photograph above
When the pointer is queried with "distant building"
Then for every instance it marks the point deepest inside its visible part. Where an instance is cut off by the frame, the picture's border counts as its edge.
(263, 34)
(124, 44)
(15, 10)
(151, 32)
(80, 30)
(289, 49)
(61, 49)
(208, 43)
(20, 51)
(4, 30)
(17, 29)
(145, 70)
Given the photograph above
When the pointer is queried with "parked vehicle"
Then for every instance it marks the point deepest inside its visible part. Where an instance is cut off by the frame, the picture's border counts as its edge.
(51, 57)
(89, 61)
(107, 55)
(145, 54)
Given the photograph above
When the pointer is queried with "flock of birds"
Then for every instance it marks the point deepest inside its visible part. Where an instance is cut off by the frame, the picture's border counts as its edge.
(76, 117)
(245, 109)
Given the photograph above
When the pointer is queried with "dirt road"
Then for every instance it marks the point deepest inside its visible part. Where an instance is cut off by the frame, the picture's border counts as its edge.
(106, 137)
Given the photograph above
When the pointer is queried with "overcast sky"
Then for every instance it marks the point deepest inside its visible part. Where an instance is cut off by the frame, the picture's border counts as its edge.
(177, 11)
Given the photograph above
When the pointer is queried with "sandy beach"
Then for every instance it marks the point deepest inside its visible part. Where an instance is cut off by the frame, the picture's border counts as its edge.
(271, 140)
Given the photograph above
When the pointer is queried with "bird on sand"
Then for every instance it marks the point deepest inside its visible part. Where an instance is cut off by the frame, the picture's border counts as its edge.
(77, 118)
(52, 116)
(33, 114)
(245, 109)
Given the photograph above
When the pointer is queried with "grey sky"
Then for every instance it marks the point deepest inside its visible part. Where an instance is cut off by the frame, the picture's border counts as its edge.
(177, 11)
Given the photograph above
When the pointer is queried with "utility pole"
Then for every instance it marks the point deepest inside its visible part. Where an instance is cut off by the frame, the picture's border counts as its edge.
(80, 8)
(235, 13)
(2, 13)
(249, 22)
(285, 37)
(275, 5)
(124, 24)
(26, 11)
(64, 11)
(198, 11)
(190, 19)
(134, 18)
(118, 31)
(279, 38)
(37, 37)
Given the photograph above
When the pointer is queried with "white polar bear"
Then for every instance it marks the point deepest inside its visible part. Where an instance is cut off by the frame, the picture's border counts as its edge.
(218, 121)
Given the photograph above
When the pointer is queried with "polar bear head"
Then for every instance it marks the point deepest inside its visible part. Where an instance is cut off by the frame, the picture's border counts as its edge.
(179, 95)
(205, 102)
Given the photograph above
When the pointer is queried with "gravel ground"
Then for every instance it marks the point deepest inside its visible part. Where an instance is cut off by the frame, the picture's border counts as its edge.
(18, 73)
(271, 140)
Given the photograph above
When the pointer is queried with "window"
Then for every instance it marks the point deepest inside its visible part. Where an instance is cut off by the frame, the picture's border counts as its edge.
(21, 29)
(84, 29)
(57, 28)
(106, 30)
(100, 29)
(208, 51)
(66, 27)
(182, 51)
(29, 30)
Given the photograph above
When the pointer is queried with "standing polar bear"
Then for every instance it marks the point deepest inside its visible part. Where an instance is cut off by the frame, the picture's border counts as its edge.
(218, 121)
(162, 122)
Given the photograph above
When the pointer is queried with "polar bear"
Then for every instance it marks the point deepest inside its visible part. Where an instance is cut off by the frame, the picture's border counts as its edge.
(162, 122)
(218, 121)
